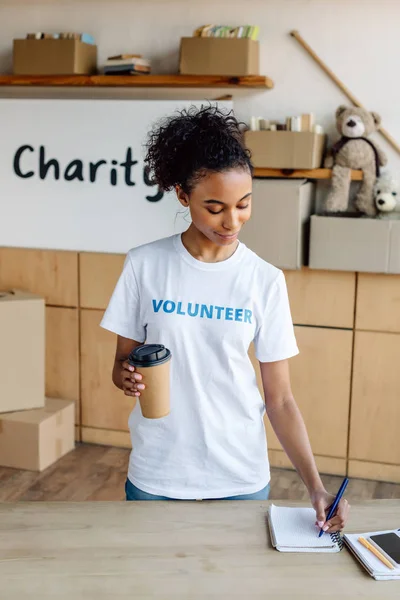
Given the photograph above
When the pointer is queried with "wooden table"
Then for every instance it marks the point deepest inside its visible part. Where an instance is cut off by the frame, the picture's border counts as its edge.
(174, 550)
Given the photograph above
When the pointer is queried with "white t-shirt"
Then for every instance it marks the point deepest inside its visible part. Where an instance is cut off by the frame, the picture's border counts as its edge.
(213, 443)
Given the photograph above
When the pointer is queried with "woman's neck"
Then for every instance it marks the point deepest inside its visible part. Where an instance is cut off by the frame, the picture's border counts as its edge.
(201, 248)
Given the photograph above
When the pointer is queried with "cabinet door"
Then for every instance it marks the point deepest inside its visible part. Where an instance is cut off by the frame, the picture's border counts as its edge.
(378, 302)
(98, 274)
(375, 406)
(52, 274)
(320, 377)
(62, 355)
(103, 405)
(324, 298)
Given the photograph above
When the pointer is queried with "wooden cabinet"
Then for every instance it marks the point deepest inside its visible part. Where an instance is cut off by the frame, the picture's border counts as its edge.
(52, 274)
(324, 298)
(103, 405)
(320, 377)
(375, 407)
(329, 371)
(62, 355)
(378, 302)
(98, 274)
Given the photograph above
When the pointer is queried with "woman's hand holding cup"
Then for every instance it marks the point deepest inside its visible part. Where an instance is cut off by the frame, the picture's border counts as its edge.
(131, 380)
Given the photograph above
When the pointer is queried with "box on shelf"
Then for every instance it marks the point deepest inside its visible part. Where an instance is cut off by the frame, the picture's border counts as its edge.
(54, 57)
(219, 56)
(35, 439)
(286, 149)
(22, 351)
(355, 244)
(278, 228)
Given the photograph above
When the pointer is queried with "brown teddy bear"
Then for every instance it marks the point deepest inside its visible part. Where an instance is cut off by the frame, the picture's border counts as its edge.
(354, 151)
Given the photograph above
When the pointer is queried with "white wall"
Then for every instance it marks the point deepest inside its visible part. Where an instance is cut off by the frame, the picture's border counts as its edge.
(358, 39)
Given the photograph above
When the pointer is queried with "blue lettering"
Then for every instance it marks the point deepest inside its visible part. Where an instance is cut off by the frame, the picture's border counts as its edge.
(180, 311)
(238, 314)
(156, 307)
(247, 315)
(219, 310)
(195, 313)
(170, 308)
(206, 310)
(229, 314)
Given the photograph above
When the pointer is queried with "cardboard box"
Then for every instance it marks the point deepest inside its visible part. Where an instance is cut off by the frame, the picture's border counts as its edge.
(286, 149)
(54, 57)
(22, 351)
(278, 228)
(35, 439)
(219, 56)
(355, 244)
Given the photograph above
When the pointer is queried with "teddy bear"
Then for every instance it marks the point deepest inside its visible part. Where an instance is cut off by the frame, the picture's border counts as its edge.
(354, 151)
(387, 196)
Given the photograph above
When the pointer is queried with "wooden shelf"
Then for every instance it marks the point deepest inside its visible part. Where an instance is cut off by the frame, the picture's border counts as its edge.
(300, 174)
(172, 81)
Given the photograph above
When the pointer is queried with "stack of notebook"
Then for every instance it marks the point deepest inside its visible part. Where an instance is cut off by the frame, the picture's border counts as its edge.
(294, 530)
(127, 64)
(375, 567)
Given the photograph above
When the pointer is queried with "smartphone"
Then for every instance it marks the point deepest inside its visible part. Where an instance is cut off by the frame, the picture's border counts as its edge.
(390, 544)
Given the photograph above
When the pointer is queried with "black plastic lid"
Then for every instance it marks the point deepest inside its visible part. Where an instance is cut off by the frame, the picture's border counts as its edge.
(149, 355)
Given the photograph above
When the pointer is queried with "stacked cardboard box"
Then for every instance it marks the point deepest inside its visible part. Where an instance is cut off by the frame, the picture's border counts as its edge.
(219, 56)
(355, 244)
(34, 431)
(278, 230)
(54, 56)
(299, 143)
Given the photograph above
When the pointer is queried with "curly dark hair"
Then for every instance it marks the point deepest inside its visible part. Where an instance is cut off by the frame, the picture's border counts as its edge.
(183, 148)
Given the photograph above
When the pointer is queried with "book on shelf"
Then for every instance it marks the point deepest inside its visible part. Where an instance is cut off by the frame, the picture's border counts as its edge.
(298, 123)
(82, 37)
(227, 31)
(126, 71)
(131, 60)
(127, 64)
(124, 56)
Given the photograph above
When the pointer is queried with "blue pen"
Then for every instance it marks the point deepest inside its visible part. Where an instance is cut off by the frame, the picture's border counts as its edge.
(336, 502)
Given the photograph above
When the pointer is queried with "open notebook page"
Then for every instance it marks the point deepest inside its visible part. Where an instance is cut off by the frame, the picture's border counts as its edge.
(295, 528)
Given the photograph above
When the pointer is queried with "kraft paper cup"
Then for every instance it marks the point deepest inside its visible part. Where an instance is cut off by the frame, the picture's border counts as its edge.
(153, 361)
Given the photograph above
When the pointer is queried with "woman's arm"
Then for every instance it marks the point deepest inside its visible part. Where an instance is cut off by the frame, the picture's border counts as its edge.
(123, 375)
(288, 424)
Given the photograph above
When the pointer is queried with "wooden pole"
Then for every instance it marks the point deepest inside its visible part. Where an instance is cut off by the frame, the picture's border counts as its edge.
(341, 85)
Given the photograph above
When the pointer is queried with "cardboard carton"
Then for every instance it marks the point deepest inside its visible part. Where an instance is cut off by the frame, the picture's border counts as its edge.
(54, 57)
(219, 56)
(35, 439)
(22, 351)
(278, 228)
(355, 244)
(286, 149)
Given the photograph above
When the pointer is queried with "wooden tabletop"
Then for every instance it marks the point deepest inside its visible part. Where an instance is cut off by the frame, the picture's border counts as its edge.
(174, 550)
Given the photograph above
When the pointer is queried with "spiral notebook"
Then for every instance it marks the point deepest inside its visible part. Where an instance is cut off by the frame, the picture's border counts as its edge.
(369, 561)
(294, 530)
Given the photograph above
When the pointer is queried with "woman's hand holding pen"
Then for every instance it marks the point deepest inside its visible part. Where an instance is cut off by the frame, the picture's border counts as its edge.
(321, 501)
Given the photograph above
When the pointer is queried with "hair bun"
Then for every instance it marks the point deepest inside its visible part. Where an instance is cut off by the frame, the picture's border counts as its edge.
(182, 148)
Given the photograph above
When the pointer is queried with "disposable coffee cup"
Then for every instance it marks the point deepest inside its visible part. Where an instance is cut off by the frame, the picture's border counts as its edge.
(153, 362)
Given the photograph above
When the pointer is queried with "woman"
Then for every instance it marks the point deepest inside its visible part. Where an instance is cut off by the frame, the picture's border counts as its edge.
(222, 297)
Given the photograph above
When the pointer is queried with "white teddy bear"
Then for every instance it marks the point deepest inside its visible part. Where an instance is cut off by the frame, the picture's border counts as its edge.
(387, 196)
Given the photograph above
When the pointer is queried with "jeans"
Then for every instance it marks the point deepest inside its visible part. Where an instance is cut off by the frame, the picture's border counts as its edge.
(134, 493)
